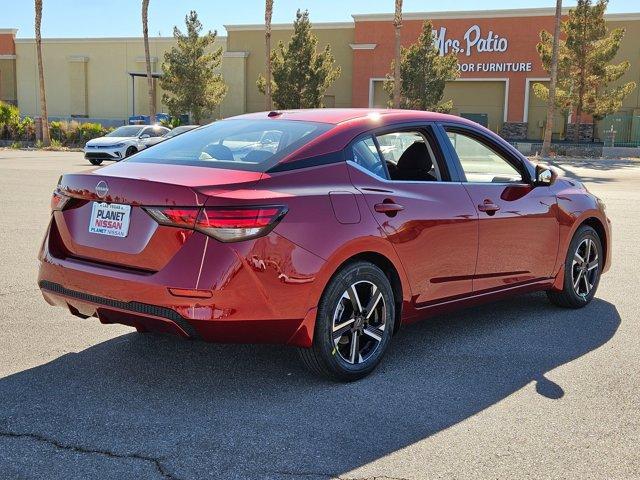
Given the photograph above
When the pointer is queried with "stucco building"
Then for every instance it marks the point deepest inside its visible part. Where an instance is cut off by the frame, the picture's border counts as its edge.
(91, 78)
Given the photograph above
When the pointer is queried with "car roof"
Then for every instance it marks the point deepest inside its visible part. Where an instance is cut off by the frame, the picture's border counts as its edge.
(348, 123)
(340, 115)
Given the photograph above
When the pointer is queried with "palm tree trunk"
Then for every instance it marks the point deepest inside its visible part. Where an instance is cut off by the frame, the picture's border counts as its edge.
(46, 140)
(397, 81)
(551, 103)
(151, 84)
(268, 13)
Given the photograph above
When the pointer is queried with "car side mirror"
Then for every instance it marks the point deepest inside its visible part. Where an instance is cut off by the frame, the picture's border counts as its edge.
(146, 135)
(545, 176)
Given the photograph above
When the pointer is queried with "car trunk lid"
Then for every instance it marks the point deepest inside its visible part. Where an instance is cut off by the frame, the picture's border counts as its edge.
(82, 228)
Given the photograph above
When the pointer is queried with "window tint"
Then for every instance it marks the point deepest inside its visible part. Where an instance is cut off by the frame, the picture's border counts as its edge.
(409, 157)
(365, 154)
(240, 144)
(480, 163)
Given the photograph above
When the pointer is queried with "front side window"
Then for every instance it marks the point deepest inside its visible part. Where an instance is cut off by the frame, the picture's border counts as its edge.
(240, 144)
(409, 157)
(480, 163)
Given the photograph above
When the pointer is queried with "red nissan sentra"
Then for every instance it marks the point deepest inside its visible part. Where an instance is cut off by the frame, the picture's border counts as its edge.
(323, 229)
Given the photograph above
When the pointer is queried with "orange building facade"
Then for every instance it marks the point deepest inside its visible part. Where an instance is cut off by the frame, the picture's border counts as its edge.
(496, 51)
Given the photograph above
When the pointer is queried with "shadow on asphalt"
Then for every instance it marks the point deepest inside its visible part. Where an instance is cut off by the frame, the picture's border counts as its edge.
(233, 411)
(600, 164)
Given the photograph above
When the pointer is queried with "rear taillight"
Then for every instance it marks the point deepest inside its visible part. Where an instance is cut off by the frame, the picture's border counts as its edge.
(175, 217)
(227, 224)
(58, 200)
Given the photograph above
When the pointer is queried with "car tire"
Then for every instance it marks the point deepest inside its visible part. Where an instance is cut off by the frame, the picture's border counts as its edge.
(582, 269)
(130, 151)
(95, 161)
(349, 341)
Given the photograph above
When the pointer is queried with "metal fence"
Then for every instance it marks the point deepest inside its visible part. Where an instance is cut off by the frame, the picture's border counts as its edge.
(620, 130)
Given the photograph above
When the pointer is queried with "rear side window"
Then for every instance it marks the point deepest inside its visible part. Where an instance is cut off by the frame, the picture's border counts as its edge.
(239, 144)
(365, 154)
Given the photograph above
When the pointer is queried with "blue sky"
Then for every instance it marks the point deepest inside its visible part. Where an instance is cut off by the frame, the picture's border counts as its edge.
(121, 18)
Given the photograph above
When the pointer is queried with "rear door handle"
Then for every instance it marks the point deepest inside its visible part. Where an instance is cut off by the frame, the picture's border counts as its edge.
(388, 208)
(488, 207)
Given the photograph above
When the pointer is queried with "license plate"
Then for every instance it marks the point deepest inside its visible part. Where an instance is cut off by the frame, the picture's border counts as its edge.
(110, 219)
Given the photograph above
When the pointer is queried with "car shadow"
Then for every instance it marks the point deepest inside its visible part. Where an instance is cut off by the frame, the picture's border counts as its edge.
(198, 410)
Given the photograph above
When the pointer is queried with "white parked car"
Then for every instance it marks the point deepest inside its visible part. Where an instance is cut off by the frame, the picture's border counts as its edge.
(121, 143)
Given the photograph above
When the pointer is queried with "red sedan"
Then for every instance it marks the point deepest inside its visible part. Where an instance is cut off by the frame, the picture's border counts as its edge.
(326, 229)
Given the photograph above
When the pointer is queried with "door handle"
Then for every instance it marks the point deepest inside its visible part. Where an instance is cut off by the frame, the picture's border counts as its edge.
(488, 207)
(388, 208)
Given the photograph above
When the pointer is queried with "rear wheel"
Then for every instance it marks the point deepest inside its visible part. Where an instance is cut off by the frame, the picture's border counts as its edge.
(582, 269)
(130, 151)
(95, 161)
(354, 324)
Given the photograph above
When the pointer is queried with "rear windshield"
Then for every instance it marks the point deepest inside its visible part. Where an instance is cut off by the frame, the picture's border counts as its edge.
(254, 145)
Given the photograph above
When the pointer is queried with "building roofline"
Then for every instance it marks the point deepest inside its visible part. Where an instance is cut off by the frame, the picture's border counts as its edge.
(511, 12)
(12, 31)
(105, 39)
(289, 26)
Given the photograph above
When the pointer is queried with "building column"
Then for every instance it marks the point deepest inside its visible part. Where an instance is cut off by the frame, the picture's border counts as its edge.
(515, 126)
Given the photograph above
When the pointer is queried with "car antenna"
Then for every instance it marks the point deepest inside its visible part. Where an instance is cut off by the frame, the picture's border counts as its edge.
(273, 113)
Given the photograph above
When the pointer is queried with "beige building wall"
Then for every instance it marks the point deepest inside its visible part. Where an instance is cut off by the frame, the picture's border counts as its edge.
(250, 39)
(90, 77)
(479, 97)
(537, 109)
(8, 78)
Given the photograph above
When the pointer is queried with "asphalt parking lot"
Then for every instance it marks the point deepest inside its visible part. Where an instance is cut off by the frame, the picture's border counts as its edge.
(516, 389)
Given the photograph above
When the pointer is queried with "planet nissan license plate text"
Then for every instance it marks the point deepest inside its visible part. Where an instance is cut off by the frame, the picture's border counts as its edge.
(110, 219)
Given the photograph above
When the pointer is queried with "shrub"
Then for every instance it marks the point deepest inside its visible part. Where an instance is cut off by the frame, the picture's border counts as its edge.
(58, 131)
(9, 119)
(64, 133)
(9, 114)
(23, 130)
(74, 133)
(91, 130)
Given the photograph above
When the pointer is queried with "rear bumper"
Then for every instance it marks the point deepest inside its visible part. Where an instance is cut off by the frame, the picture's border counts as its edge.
(143, 316)
(259, 291)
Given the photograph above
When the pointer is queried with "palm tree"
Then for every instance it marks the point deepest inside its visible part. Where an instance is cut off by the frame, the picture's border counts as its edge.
(268, 13)
(397, 23)
(551, 102)
(46, 140)
(151, 86)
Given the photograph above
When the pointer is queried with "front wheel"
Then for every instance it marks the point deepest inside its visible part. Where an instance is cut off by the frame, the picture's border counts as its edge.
(130, 151)
(354, 325)
(582, 270)
(95, 161)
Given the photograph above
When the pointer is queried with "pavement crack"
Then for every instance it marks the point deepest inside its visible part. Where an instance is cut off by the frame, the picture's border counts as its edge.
(156, 462)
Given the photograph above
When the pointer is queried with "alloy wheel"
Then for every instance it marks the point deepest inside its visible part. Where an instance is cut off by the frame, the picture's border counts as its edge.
(585, 267)
(359, 322)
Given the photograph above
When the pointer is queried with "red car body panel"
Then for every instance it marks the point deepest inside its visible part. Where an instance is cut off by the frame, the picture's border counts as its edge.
(443, 252)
